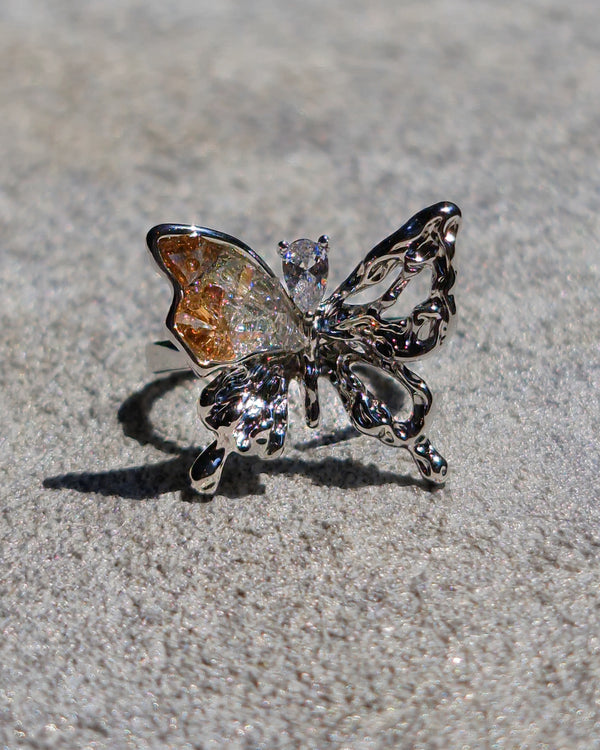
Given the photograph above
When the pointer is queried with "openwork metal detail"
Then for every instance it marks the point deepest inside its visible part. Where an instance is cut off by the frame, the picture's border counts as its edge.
(236, 324)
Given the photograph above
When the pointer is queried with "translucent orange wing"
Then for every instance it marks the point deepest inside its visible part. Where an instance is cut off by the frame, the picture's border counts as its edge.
(227, 303)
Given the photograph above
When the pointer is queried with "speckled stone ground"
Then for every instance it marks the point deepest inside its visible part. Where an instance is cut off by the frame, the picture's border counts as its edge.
(326, 599)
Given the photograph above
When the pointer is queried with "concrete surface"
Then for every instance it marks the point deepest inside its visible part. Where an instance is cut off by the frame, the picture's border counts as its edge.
(327, 599)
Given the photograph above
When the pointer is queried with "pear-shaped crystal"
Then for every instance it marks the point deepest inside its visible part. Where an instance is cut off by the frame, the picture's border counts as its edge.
(305, 267)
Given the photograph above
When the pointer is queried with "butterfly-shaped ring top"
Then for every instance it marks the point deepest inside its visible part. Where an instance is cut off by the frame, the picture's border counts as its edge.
(237, 325)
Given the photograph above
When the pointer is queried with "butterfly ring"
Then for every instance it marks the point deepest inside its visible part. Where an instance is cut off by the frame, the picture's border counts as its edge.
(233, 322)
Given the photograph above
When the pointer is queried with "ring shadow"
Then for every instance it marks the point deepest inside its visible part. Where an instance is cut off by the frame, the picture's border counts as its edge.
(242, 477)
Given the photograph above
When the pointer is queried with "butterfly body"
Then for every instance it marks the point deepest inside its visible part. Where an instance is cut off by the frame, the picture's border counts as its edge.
(234, 321)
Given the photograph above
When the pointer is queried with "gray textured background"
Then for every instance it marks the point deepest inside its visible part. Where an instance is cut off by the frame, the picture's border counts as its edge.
(326, 599)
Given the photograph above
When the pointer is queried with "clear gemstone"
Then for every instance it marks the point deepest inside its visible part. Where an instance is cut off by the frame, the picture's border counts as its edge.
(305, 267)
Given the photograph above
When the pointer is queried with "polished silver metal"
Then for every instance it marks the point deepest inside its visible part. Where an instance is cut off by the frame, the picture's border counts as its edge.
(163, 357)
(245, 403)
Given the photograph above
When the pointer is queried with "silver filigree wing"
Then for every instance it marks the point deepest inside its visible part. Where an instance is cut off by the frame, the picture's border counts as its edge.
(368, 334)
(247, 409)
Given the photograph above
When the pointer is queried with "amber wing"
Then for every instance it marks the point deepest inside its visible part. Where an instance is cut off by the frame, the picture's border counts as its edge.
(227, 303)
